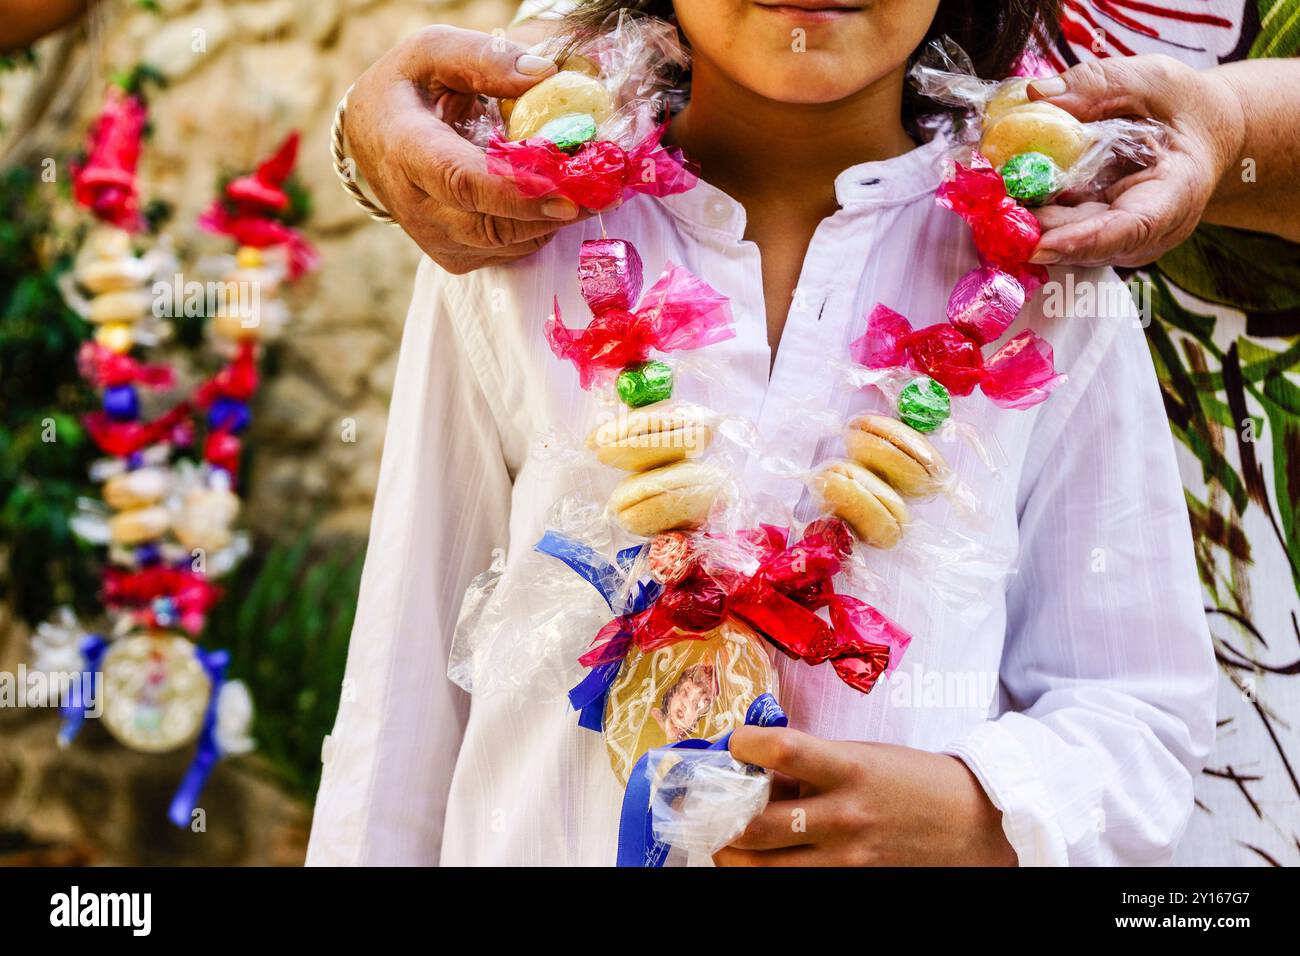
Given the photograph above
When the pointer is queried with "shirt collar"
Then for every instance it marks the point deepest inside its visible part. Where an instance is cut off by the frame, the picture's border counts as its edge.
(883, 182)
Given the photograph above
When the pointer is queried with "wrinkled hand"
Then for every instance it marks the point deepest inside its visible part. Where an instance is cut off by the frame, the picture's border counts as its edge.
(400, 120)
(1149, 212)
(840, 803)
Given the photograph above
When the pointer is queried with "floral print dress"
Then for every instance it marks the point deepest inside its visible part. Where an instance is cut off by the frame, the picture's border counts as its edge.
(1225, 335)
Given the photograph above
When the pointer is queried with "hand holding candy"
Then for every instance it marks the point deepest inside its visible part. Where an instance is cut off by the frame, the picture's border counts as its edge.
(1039, 149)
(400, 131)
(1143, 215)
(591, 132)
(864, 804)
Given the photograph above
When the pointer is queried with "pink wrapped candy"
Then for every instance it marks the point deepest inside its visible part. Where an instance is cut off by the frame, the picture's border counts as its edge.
(598, 174)
(609, 274)
(1005, 232)
(984, 303)
(1018, 375)
(680, 311)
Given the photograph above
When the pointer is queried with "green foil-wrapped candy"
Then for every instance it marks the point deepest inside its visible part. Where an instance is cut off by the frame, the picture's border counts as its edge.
(569, 132)
(645, 384)
(924, 404)
(1030, 177)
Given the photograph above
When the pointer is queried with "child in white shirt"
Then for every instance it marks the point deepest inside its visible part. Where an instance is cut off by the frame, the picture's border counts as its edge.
(1057, 719)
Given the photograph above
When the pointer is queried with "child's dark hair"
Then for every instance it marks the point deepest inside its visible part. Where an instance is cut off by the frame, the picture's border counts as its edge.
(993, 32)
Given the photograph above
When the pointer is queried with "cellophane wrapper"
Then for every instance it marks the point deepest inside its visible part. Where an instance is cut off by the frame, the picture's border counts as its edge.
(639, 59)
(702, 800)
(944, 73)
(523, 624)
(527, 619)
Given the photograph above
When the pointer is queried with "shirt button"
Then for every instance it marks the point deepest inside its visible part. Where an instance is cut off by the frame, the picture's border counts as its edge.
(718, 211)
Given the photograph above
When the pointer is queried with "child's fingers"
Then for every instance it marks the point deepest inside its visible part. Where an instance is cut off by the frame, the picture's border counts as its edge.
(784, 787)
(792, 856)
(790, 752)
(785, 823)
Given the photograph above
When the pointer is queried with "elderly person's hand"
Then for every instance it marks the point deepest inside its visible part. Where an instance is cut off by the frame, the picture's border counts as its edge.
(1147, 213)
(400, 120)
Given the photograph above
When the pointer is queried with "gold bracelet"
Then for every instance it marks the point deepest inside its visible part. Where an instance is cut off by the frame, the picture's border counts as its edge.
(345, 168)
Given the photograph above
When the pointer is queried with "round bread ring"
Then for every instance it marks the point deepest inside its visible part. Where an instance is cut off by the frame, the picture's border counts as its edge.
(560, 94)
(899, 454)
(872, 508)
(127, 305)
(1035, 128)
(139, 525)
(136, 488)
(1012, 93)
(671, 498)
(573, 62)
(735, 658)
(156, 692)
(112, 275)
(649, 437)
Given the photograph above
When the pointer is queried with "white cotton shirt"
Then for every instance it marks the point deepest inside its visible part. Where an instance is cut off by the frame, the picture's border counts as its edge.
(1079, 689)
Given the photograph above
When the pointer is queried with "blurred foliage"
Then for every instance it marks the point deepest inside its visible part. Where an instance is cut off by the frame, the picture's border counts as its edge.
(44, 451)
(286, 621)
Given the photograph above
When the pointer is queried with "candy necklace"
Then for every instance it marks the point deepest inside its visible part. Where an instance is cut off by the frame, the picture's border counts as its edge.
(168, 525)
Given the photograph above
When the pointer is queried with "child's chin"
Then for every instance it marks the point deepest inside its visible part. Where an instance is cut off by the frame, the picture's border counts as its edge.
(808, 84)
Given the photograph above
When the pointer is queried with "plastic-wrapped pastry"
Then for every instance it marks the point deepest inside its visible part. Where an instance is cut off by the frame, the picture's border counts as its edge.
(668, 498)
(693, 688)
(156, 692)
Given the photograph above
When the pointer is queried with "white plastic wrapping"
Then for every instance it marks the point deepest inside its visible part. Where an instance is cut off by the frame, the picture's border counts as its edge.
(702, 800)
(1089, 155)
(635, 59)
(521, 631)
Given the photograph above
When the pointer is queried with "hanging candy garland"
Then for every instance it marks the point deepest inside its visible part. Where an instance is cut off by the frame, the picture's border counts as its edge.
(683, 660)
(168, 524)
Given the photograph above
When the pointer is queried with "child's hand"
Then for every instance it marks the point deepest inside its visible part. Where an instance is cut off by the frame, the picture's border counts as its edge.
(1145, 214)
(839, 803)
(434, 183)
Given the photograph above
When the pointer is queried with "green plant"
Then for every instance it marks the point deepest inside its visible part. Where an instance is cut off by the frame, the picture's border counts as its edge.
(44, 452)
(286, 622)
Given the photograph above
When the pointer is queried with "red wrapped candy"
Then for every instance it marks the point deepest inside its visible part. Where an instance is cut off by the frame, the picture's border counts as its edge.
(1005, 232)
(597, 174)
(105, 368)
(105, 182)
(780, 600)
(1018, 375)
(680, 311)
(249, 207)
(191, 593)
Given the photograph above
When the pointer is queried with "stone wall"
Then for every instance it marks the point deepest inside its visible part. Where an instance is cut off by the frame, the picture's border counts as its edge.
(240, 76)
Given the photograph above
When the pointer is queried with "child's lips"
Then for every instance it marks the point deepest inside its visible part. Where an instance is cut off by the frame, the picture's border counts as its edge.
(811, 11)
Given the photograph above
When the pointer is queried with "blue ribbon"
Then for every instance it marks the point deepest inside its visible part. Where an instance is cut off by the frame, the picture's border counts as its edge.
(608, 578)
(74, 711)
(208, 753)
(637, 845)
